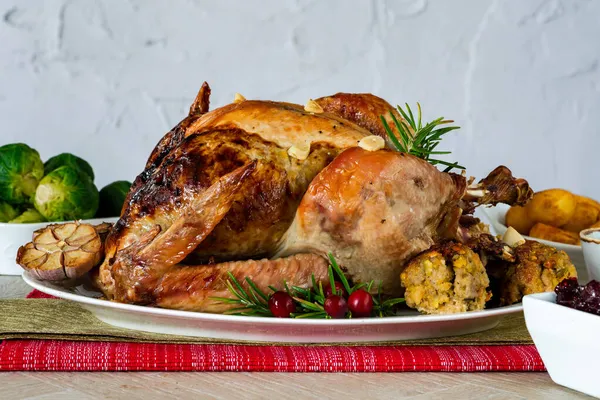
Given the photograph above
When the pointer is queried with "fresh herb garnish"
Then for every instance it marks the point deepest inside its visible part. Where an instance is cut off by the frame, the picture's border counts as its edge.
(309, 302)
(424, 139)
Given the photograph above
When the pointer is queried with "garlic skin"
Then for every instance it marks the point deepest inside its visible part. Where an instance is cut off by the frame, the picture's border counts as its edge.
(300, 151)
(238, 98)
(313, 107)
(372, 143)
(513, 238)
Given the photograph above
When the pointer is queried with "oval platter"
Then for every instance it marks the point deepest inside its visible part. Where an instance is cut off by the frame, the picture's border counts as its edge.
(408, 325)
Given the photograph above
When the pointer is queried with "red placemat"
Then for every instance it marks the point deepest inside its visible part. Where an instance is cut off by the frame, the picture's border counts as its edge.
(55, 355)
(52, 355)
(36, 294)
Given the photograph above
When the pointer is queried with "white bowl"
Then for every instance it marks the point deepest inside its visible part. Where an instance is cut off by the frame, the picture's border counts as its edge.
(567, 341)
(495, 216)
(13, 236)
(590, 241)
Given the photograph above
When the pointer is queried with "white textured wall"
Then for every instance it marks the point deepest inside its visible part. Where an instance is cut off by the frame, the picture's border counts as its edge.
(106, 79)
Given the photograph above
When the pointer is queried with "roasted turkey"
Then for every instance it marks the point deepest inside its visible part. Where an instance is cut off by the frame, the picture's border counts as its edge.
(266, 189)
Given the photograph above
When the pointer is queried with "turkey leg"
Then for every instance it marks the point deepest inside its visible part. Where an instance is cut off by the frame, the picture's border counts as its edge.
(376, 210)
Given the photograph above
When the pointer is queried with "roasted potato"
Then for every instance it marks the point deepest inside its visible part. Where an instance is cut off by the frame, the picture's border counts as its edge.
(554, 207)
(590, 202)
(548, 232)
(518, 218)
(585, 215)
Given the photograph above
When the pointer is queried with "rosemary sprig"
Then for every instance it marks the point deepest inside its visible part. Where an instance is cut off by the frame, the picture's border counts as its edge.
(424, 139)
(309, 301)
(250, 303)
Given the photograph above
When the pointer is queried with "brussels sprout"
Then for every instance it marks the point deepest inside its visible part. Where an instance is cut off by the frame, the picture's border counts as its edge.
(69, 160)
(20, 172)
(66, 193)
(112, 197)
(7, 212)
(29, 216)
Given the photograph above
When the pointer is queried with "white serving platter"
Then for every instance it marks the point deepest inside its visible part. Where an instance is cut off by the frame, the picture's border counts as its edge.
(495, 217)
(13, 236)
(409, 325)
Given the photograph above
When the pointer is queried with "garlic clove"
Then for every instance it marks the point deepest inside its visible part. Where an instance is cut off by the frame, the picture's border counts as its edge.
(513, 238)
(238, 98)
(300, 151)
(372, 143)
(313, 107)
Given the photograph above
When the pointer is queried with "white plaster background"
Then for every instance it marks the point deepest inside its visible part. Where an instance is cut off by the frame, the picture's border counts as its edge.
(106, 79)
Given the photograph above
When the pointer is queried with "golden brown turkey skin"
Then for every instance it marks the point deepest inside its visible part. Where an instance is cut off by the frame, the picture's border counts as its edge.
(191, 159)
(131, 273)
(193, 288)
(283, 124)
(205, 147)
(364, 109)
(374, 211)
(263, 207)
(222, 187)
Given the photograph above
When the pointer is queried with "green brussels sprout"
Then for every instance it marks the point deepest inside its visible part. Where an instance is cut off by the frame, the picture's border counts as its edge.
(66, 194)
(112, 197)
(7, 212)
(69, 160)
(29, 216)
(20, 172)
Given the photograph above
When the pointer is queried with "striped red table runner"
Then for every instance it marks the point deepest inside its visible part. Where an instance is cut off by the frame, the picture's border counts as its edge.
(54, 355)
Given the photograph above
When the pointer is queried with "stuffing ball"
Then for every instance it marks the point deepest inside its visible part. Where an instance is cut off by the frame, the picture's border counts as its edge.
(538, 268)
(445, 279)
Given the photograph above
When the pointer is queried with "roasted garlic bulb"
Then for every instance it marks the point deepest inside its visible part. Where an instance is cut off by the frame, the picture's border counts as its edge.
(61, 252)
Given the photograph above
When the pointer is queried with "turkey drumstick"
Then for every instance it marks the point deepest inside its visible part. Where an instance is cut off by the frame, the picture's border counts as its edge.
(376, 210)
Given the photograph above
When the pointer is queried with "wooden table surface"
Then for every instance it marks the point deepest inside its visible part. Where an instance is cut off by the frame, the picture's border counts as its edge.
(225, 385)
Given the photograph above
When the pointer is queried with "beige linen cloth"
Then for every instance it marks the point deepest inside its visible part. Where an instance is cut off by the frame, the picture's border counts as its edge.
(64, 320)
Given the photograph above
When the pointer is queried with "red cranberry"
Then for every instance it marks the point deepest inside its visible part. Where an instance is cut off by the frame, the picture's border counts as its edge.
(589, 298)
(567, 292)
(592, 290)
(360, 303)
(336, 306)
(568, 284)
(281, 304)
(339, 290)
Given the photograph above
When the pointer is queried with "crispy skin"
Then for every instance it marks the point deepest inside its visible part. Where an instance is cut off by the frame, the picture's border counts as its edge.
(175, 136)
(191, 159)
(501, 187)
(364, 109)
(202, 101)
(222, 187)
(135, 270)
(374, 211)
(449, 278)
(538, 268)
(491, 246)
(262, 210)
(283, 124)
(192, 287)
